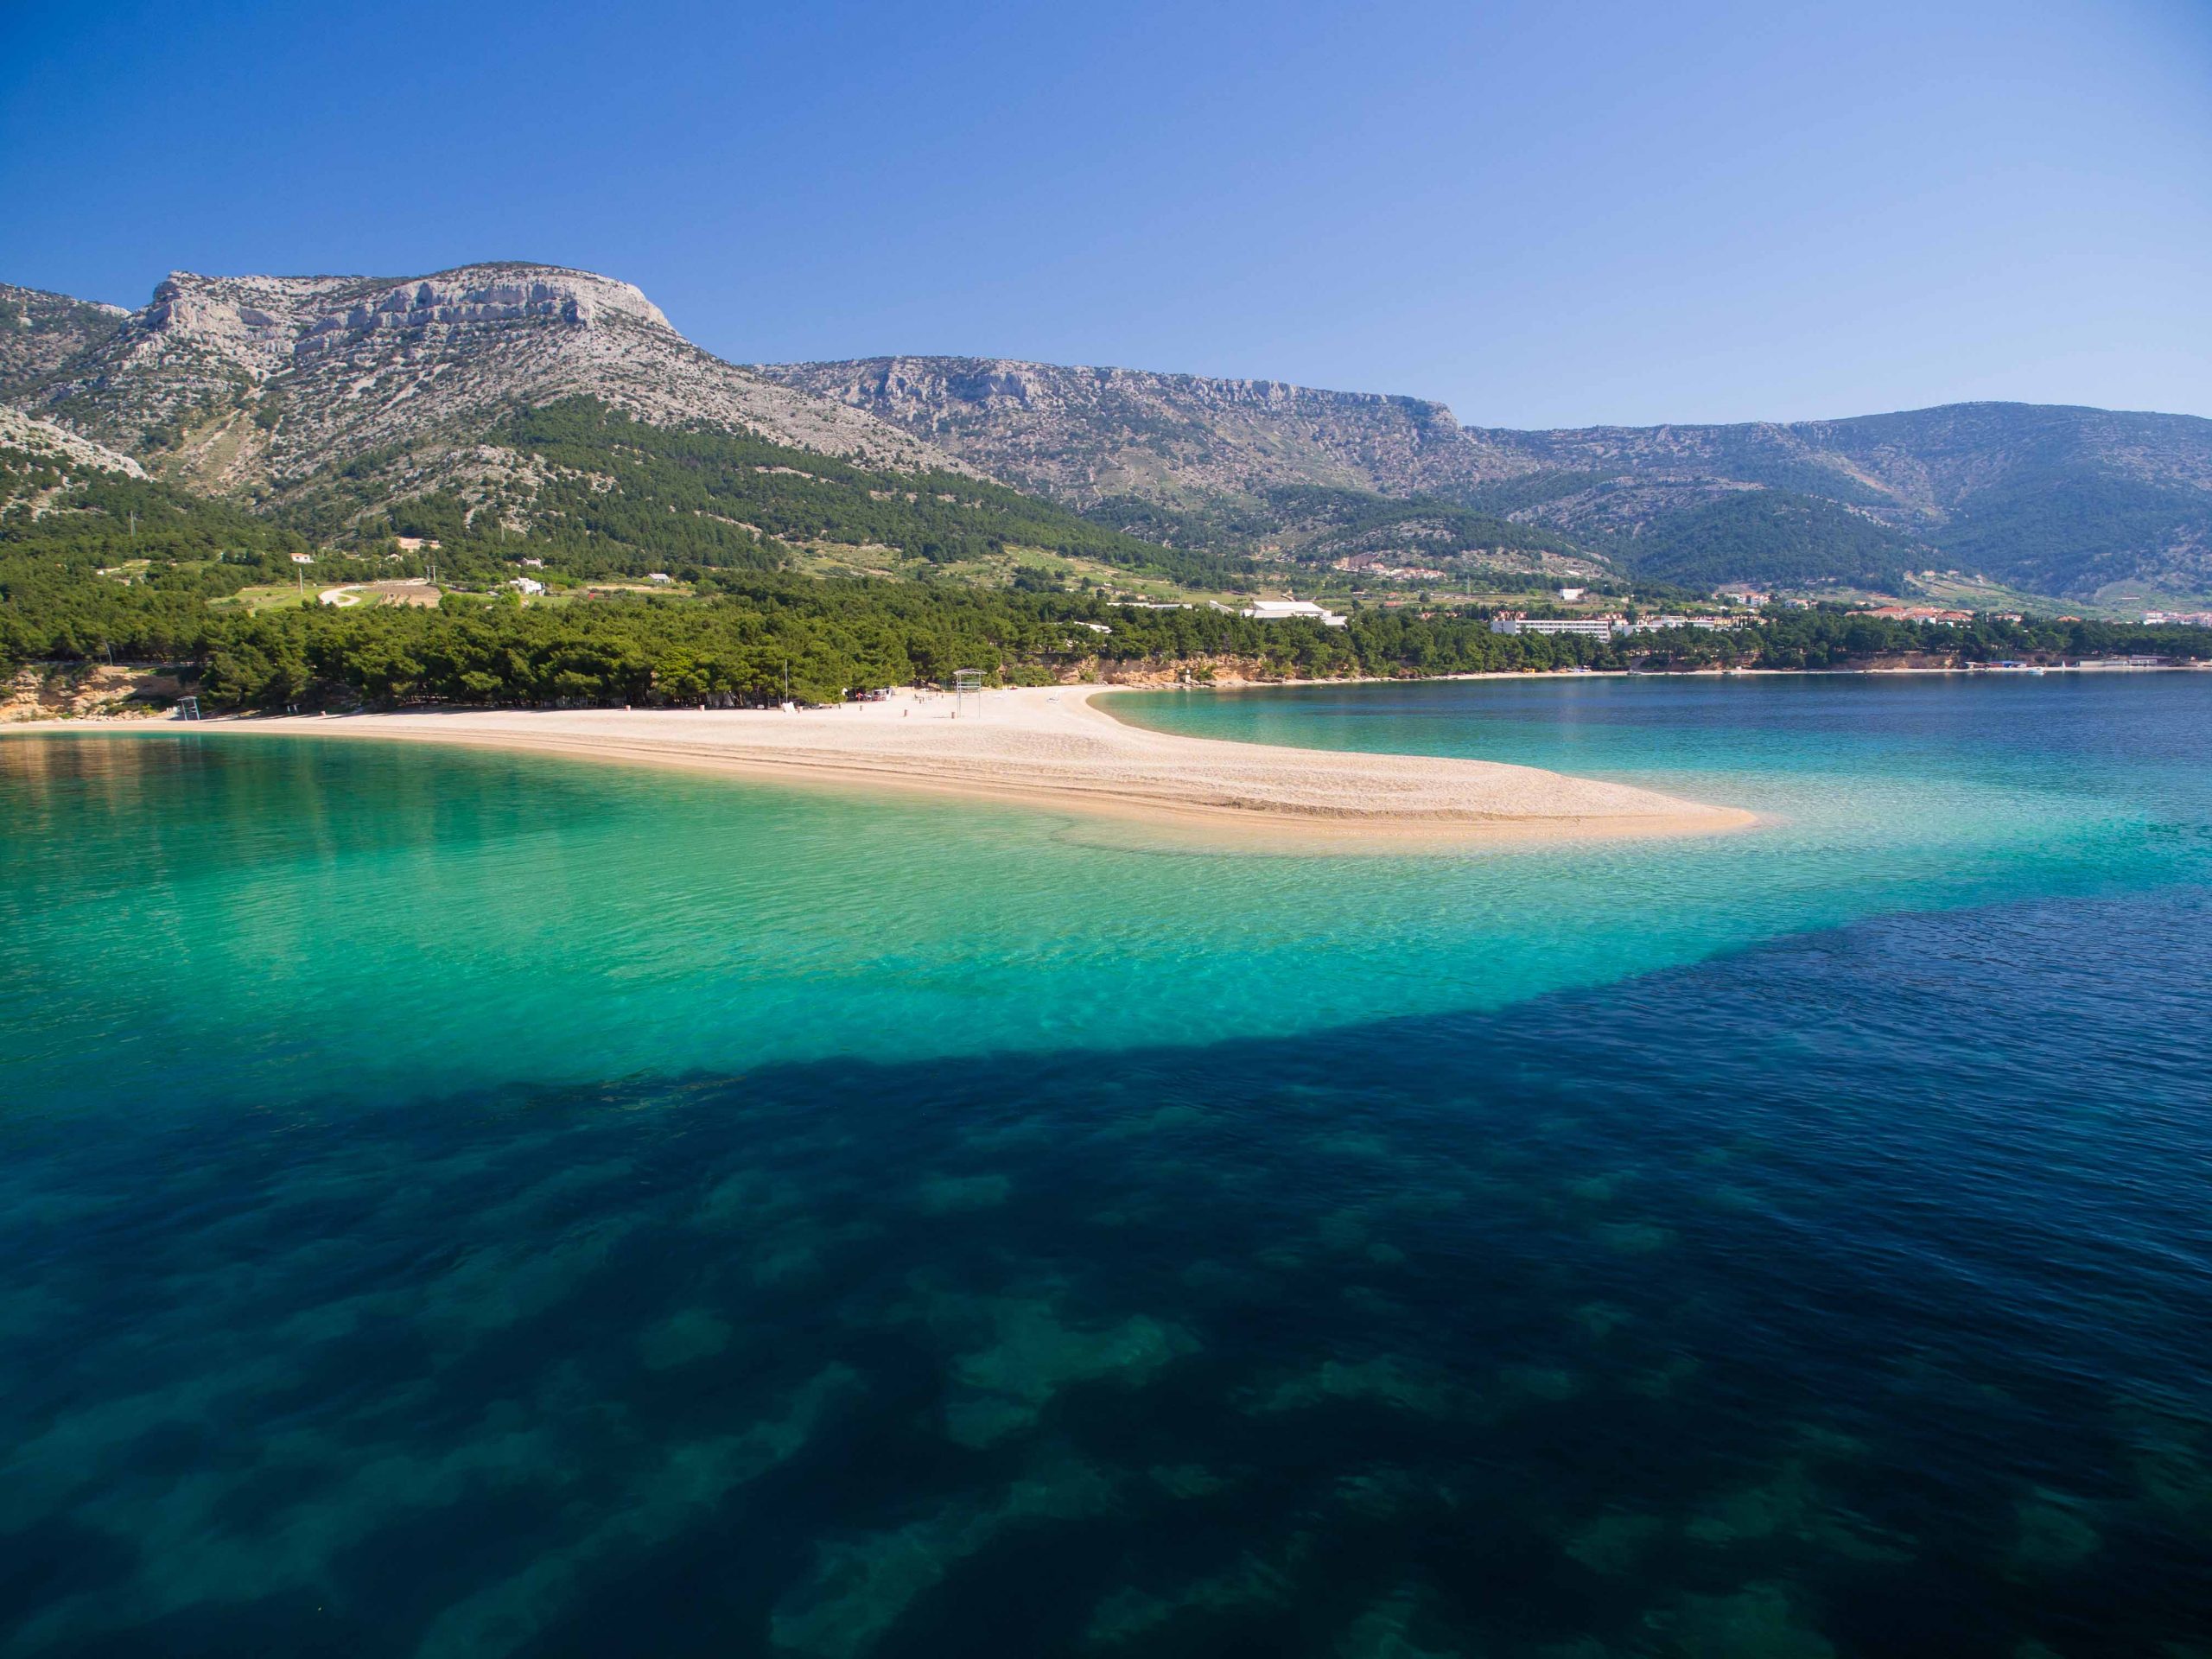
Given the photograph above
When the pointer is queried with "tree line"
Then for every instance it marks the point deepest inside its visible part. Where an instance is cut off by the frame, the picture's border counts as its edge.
(833, 637)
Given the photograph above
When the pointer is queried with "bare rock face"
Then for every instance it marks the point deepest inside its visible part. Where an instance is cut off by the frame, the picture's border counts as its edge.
(255, 383)
(1085, 434)
(43, 441)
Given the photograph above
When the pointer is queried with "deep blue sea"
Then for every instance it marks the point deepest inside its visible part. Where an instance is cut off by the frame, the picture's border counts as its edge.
(477, 1205)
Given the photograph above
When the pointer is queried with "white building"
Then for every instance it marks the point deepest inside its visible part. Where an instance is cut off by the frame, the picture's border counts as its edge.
(658, 575)
(1591, 627)
(1570, 594)
(1293, 610)
(1661, 624)
(524, 584)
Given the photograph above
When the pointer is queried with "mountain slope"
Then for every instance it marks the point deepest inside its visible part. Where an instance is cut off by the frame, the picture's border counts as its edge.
(337, 400)
(1087, 436)
(39, 332)
(493, 401)
(256, 385)
(46, 448)
(2062, 500)
(1242, 466)
(2054, 498)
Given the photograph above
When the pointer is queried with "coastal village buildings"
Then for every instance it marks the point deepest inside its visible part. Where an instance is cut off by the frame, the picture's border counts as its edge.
(1922, 613)
(1662, 624)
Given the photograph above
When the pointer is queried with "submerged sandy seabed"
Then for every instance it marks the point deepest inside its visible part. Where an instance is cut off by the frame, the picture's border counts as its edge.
(1051, 746)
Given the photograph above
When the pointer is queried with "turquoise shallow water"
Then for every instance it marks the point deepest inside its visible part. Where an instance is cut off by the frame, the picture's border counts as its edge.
(222, 919)
(470, 1204)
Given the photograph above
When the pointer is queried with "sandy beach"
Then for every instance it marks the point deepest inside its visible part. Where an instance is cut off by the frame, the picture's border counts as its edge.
(1057, 747)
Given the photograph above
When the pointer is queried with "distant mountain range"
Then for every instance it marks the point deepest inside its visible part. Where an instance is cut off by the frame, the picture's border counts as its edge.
(2058, 500)
(345, 403)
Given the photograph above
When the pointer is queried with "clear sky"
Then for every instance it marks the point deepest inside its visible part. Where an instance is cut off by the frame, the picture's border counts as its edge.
(1544, 214)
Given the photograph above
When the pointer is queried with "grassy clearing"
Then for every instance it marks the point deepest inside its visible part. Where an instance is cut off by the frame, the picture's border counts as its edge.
(999, 569)
(265, 596)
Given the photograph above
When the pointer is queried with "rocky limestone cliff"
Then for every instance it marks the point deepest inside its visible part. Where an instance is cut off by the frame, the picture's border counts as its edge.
(1085, 435)
(254, 384)
(46, 442)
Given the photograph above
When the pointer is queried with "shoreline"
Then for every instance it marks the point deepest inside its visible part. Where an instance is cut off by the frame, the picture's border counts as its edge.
(1052, 748)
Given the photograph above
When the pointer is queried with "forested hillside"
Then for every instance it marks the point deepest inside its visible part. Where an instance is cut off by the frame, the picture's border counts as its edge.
(600, 492)
(1773, 537)
(2052, 500)
(94, 562)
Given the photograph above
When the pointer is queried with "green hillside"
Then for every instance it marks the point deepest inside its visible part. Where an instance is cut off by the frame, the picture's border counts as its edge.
(1770, 537)
(620, 497)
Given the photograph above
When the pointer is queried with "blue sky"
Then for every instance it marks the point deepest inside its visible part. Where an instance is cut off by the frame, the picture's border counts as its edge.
(1542, 215)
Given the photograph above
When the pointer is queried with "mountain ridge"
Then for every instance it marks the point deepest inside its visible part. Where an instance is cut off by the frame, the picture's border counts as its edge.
(341, 397)
(241, 384)
(2070, 497)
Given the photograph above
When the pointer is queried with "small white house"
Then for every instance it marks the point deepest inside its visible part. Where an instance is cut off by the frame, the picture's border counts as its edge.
(659, 575)
(1570, 594)
(524, 584)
